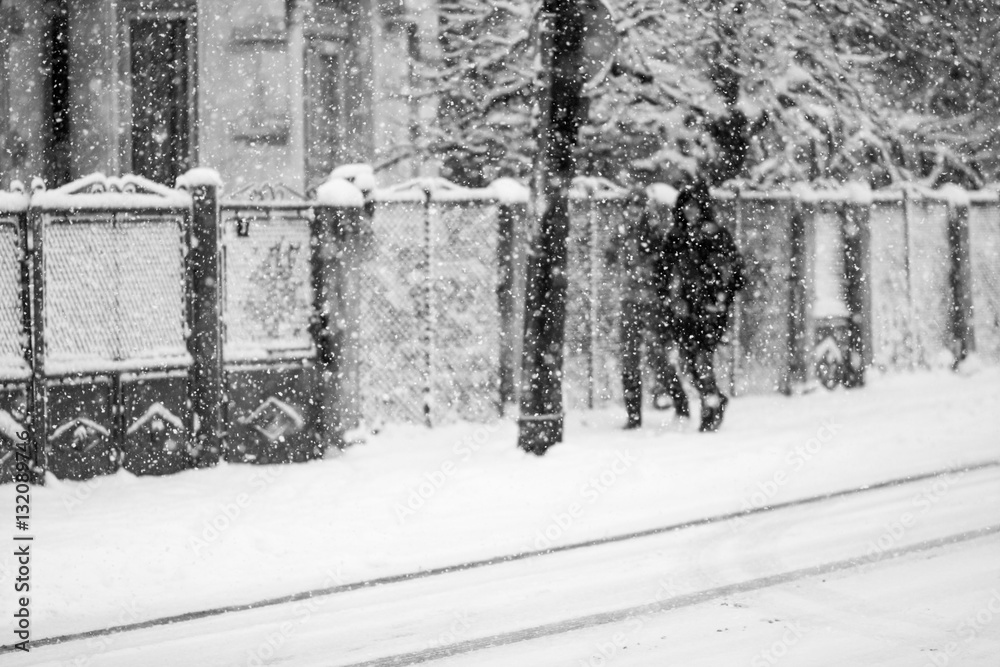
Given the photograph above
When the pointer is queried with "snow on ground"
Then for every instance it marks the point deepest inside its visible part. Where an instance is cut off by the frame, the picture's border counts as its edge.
(123, 549)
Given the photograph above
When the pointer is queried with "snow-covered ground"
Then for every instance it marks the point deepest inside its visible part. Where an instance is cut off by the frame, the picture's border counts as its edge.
(122, 549)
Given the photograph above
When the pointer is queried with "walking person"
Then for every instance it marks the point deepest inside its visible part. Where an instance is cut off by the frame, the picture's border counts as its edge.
(699, 271)
(642, 329)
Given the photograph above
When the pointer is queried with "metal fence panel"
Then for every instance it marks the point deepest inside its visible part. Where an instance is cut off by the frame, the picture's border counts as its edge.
(465, 327)
(393, 367)
(984, 245)
(765, 241)
(267, 300)
(268, 350)
(114, 359)
(579, 339)
(893, 340)
(929, 274)
(14, 371)
(606, 302)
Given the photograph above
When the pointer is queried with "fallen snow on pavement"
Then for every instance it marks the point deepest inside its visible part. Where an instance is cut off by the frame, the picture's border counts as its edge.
(123, 549)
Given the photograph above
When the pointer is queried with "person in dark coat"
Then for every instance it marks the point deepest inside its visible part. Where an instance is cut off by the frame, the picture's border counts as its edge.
(643, 336)
(699, 271)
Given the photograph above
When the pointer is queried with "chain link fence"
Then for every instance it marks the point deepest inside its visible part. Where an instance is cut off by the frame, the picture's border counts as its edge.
(984, 246)
(429, 308)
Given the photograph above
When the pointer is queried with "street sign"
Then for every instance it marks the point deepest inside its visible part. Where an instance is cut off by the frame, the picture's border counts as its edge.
(600, 41)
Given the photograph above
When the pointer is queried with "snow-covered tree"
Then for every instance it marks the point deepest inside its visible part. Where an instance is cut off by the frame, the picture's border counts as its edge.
(765, 92)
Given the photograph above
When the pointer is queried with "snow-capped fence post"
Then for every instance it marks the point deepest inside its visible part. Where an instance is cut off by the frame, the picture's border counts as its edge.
(512, 214)
(960, 271)
(341, 229)
(204, 281)
(855, 220)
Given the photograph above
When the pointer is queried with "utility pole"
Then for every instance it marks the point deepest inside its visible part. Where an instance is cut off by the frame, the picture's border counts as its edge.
(561, 41)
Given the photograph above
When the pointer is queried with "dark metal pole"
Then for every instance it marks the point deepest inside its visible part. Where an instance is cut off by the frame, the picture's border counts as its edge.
(561, 33)
(204, 273)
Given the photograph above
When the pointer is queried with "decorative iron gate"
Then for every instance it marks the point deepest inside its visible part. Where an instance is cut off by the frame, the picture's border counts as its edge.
(269, 246)
(111, 362)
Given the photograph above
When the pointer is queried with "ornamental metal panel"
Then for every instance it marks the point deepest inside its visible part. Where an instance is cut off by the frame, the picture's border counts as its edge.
(267, 294)
(108, 259)
(268, 306)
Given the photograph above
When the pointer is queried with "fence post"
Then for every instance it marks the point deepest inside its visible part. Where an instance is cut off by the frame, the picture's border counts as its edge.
(204, 289)
(960, 273)
(857, 259)
(339, 230)
(30, 261)
(512, 211)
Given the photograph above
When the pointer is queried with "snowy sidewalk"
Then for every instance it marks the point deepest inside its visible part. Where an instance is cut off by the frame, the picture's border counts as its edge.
(123, 549)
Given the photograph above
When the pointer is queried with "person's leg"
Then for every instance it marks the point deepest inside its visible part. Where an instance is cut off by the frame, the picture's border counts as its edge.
(631, 341)
(713, 402)
(664, 360)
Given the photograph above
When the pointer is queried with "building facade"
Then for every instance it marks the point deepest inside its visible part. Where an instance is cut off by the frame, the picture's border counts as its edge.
(260, 90)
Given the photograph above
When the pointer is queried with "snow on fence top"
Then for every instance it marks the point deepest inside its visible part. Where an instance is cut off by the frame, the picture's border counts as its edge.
(595, 187)
(14, 201)
(339, 193)
(362, 176)
(199, 177)
(661, 193)
(510, 191)
(99, 192)
(267, 195)
(435, 188)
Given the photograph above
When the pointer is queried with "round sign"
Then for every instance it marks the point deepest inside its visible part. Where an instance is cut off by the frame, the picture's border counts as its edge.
(600, 40)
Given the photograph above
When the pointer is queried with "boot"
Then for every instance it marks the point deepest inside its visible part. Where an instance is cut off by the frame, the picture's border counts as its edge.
(681, 406)
(712, 411)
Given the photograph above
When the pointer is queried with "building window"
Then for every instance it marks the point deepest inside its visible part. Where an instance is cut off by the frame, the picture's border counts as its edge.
(260, 56)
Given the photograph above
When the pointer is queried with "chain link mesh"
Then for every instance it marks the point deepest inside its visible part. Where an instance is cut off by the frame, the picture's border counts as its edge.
(151, 287)
(267, 296)
(893, 341)
(929, 269)
(765, 242)
(466, 320)
(11, 325)
(114, 288)
(394, 351)
(984, 246)
(578, 337)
